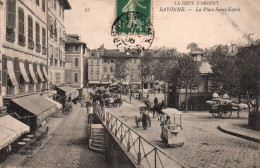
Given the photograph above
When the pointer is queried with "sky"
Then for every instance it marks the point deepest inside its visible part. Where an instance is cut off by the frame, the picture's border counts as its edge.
(172, 29)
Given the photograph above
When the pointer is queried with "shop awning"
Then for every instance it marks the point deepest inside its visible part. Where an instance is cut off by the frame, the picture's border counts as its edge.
(125, 83)
(105, 82)
(45, 73)
(40, 73)
(32, 73)
(11, 129)
(10, 68)
(23, 71)
(59, 106)
(94, 82)
(36, 105)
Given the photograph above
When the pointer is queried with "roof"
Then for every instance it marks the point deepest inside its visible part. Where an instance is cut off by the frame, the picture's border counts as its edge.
(66, 4)
(67, 89)
(11, 129)
(196, 53)
(205, 67)
(71, 40)
(35, 104)
(59, 106)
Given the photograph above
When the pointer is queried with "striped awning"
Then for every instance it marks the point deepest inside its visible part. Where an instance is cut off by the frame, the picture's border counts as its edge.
(45, 73)
(11, 129)
(32, 73)
(11, 73)
(24, 73)
(40, 73)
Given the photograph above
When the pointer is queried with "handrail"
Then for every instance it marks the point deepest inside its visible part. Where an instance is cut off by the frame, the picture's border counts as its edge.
(144, 153)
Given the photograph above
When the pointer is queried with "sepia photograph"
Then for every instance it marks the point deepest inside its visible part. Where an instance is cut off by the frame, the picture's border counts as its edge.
(129, 84)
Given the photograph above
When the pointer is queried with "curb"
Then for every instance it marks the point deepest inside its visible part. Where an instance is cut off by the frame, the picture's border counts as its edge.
(221, 128)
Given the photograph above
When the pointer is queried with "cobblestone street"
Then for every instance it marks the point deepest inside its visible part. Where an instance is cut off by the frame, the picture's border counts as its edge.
(205, 145)
(68, 147)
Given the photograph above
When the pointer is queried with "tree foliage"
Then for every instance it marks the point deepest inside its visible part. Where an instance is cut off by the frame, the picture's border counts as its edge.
(194, 47)
(225, 70)
(121, 70)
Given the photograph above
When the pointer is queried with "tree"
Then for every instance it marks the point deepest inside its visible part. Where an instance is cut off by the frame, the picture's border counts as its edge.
(146, 66)
(194, 47)
(187, 75)
(225, 70)
(120, 68)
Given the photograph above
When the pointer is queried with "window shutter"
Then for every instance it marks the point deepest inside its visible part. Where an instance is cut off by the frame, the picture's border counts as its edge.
(11, 13)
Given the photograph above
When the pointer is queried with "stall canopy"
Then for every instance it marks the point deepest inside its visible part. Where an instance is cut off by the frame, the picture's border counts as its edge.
(69, 90)
(40, 72)
(94, 82)
(23, 71)
(11, 73)
(36, 105)
(32, 73)
(11, 129)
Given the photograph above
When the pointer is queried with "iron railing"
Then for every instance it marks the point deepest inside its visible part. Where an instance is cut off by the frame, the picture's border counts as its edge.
(138, 148)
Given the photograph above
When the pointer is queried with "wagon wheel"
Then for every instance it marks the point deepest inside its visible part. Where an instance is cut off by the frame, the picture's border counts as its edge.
(226, 113)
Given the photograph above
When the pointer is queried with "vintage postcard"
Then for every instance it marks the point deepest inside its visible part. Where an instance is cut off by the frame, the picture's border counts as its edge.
(129, 83)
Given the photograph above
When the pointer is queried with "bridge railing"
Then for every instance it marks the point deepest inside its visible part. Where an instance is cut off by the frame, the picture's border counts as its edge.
(141, 151)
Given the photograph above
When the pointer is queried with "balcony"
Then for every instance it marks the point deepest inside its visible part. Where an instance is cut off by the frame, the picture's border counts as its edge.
(21, 88)
(10, 34)
(30, 88)
(38, 87)
(44, 50)
(9, 90)
(38, 48)
(21, 39)
(30, 44)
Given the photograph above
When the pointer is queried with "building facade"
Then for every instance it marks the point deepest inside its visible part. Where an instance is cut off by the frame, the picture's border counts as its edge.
(56, 40)
(101, 67)
(74, 66)
(24, 47)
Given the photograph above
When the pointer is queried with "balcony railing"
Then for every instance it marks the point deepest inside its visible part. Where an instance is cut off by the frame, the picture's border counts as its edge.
(10, 34)
(141, 151)
(38, 87)
(21, 39)
(21, 88)
(44, 50)
(30, 88)
(30, 44)
(38, 48)
(9, 90)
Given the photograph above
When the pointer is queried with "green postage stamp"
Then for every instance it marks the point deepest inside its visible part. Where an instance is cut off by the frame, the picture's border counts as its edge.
(133, 28)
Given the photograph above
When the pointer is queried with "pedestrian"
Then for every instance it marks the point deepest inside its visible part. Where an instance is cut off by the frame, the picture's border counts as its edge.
(163, 104)
(145, 119)
(155, 101)
(159, 90)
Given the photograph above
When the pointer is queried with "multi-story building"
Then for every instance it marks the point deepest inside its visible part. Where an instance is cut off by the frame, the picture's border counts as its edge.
(101, 67)
(56, 40)
(74, 69)
(24, 47)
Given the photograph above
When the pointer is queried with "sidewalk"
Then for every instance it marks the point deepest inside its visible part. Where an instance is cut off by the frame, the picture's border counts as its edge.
(240, 129)
(17, 160)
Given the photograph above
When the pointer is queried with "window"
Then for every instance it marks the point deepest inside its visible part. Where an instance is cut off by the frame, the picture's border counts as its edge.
(60, 9)
(43, 37)
(37, 33)
(55, 1)
(30, 27)
(135, 60)
(91, 76)
(21, 37)
(105, 69)
(21, 20)
(97, 76)
(76, 62)
(91, 70)
(108, 77)
(10, 20)
(38, 2)
(92, 54)
(76, 77)
(105, 60)
(97, 69)
(57, 78)
(76, 48)
(111, 69)
(112, 61)
(97, 60)
(43, 5)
